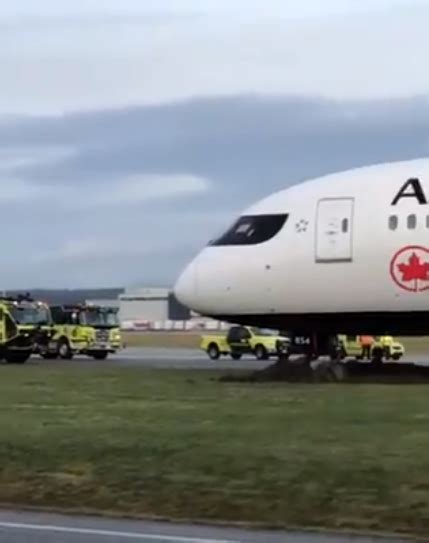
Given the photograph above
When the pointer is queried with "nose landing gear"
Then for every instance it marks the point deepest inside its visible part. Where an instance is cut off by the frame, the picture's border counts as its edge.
(317, 356)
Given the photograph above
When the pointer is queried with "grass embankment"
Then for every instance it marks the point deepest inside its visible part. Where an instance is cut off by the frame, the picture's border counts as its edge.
(178, 444)
(191, 340)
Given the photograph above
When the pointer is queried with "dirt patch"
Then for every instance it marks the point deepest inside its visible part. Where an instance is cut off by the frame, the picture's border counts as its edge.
(347, 372)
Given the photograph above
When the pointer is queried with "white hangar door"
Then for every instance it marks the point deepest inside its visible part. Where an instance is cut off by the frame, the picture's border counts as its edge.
(334, 230)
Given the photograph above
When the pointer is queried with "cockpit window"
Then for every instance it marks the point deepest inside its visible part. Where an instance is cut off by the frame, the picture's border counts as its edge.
(252, 229)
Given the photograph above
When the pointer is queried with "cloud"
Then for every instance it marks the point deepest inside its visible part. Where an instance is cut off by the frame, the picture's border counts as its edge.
(12, 159)
(132, 191)
(136, 55)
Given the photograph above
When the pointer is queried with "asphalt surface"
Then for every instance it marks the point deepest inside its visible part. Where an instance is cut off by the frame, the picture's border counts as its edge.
(178, 359)
(23, 527)
(158, 358)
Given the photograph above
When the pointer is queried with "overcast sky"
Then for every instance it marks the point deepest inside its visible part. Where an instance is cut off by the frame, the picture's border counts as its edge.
(132, 131)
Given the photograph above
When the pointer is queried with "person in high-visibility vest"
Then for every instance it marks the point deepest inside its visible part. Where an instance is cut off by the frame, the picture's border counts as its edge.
(366, 343)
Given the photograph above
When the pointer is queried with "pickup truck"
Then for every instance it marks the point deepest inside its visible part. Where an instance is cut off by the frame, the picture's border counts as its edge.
(245, 340)
(385, 347)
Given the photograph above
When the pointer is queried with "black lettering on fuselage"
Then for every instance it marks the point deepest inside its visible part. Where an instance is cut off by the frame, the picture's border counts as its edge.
(411, 189)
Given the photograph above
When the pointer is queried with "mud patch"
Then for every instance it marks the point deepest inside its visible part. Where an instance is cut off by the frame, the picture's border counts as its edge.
(324, 371)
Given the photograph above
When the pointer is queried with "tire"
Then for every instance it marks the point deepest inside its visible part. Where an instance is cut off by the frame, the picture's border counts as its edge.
(261, 352)
(340, 355)
(236, 356)
(64, 350)
(213, 351)
(17, 357)
(377, 357)
(396, 357)
(100, 355)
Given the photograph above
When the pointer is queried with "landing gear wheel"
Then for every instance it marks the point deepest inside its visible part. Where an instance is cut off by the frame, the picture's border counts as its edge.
(261, 352)
(17, 357)
(377, 358)
(100, 355)
(64, 350)
(213, 351)
(236, 356)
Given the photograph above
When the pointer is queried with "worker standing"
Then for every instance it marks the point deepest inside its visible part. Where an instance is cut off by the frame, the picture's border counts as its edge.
(366, 343)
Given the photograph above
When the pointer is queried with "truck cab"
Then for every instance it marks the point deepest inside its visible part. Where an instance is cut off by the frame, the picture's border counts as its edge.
(240, 340)
(84, 329)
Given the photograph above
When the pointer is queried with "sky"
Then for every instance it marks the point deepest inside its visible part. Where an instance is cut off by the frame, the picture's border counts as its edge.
(132, 132)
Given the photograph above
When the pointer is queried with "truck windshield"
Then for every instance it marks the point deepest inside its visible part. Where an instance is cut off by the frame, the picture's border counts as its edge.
(30, 314)
(264, 332)
(99, 317)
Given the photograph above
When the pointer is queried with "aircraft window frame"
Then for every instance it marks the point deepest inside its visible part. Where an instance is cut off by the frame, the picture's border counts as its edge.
(252, 230)
(393, 222)
(412, 221)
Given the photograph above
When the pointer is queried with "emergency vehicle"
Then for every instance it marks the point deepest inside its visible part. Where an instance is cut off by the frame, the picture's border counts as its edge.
(84, 329)
(384, 347)
(25, 324)
(245, 340)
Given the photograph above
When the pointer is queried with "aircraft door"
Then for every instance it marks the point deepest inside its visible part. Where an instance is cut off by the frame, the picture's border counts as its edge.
(334, 231)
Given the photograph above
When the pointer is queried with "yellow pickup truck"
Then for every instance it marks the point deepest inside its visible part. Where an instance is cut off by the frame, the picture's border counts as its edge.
(386, 347)
(241, 340)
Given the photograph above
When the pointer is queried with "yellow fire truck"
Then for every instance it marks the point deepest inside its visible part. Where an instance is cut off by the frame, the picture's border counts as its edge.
(24, 325)
(84, 329)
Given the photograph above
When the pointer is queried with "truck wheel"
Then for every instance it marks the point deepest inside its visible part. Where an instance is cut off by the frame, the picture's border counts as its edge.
(236, 356)
(100, 355)
(213, 351)
(64, 350)
(17, 357)
(261, 352)
(396, 356)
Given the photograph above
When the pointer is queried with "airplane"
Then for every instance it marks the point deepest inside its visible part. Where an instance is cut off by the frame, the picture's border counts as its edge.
(344, 253)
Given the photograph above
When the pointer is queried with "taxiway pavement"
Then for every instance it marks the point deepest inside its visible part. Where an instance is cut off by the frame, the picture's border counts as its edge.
(171, 358)
(23, 527)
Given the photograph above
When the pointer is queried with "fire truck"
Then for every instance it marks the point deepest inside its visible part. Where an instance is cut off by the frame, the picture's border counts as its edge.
(25, 324)
(86, 329)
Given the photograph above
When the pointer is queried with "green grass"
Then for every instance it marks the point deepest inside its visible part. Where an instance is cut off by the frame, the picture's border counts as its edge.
(187, 340)
(180, 445)
(191, 340)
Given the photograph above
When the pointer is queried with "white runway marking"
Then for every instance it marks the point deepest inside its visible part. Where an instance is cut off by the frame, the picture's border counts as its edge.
(108, 533)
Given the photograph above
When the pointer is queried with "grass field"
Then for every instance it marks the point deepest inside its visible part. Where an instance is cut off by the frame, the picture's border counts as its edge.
(187, 340)
(191, 340)
(182, 445)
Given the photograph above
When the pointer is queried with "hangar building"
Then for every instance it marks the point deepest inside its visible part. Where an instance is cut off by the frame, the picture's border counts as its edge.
(151, 304)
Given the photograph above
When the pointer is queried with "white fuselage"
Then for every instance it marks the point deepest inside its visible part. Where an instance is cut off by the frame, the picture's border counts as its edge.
(351, 253)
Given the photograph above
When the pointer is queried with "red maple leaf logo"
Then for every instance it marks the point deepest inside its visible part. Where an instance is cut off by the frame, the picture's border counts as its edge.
(414, 270)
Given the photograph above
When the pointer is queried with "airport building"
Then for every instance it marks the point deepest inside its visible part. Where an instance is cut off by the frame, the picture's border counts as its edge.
(104, 302)
(141, 308)
(151, 305)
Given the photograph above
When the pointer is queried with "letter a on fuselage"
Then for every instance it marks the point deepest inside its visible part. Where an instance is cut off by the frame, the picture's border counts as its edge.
(411, 189)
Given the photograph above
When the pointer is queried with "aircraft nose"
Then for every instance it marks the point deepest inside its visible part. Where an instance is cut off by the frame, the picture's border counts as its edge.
(185, 288)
